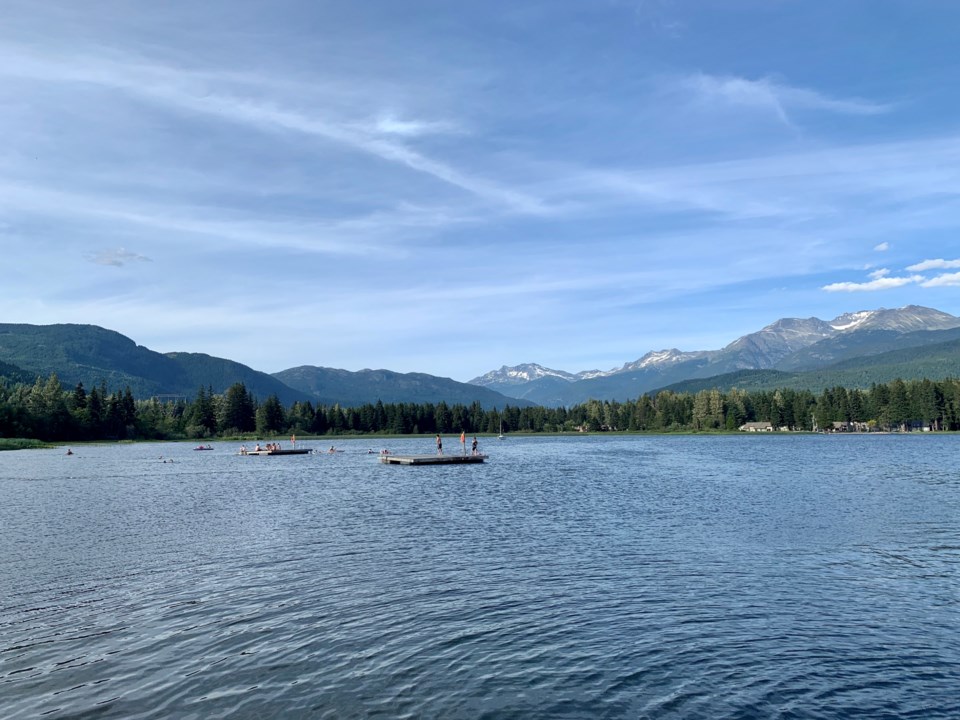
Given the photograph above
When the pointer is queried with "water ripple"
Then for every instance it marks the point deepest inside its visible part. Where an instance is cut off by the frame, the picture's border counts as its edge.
(675, 577)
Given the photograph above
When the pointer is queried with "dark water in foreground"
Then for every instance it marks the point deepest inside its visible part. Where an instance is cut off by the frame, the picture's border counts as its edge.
(649, 577)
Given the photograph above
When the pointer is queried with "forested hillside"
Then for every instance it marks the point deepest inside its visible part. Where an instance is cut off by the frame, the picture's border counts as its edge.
(932, 362)
(46, 410)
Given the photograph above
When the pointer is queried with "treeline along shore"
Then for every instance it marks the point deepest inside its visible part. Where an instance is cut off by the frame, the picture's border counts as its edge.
(47, 411)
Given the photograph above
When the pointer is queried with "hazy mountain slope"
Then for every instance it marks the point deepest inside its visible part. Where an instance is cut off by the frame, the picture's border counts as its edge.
(861, 344)
(330, 385)
(547, 391)
(753, 380)
(933, 362)
(624, 385)
(199, 369)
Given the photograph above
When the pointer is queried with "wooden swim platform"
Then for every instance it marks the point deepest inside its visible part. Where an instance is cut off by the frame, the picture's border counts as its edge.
(297, 451)
(432, 459)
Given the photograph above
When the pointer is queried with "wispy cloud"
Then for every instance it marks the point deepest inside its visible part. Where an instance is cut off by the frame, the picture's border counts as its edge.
(934, 265)
(882, 247)
(116, 257)
(660, 16)
(391, 125)
(879, 273)
(880, 183)
(768, 95)
(224, 96)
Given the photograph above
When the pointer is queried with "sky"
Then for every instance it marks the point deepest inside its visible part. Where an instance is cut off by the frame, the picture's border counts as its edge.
(449, 187)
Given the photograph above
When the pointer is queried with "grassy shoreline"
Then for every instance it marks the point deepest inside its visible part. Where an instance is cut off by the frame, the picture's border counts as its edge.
(24, 444)
(31, 444)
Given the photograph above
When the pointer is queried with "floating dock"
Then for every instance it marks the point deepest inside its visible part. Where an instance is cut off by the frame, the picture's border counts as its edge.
(297, 451)
(431, 459)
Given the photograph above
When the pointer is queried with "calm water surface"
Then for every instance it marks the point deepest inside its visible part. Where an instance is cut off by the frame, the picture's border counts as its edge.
(584, 577)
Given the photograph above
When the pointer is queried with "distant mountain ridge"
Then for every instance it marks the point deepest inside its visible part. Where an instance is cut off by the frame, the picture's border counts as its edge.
(932, 361)
(854, 348)
(92, 355)
(329, 386)
(794, 344)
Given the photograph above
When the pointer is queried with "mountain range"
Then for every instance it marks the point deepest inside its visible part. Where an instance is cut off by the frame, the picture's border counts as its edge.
(795, 347)
(93, 355)
(854, 350)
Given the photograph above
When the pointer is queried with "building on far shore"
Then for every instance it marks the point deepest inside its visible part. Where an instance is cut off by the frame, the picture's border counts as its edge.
(757, 427)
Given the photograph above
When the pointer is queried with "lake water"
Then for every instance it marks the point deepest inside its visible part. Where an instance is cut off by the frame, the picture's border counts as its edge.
(572, 577)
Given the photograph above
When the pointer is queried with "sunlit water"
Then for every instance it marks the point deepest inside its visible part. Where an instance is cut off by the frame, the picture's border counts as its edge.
(577, 577)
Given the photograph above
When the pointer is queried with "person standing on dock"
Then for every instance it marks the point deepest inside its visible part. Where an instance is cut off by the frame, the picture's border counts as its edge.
(473, 448)
(439, 445)
(463, 442)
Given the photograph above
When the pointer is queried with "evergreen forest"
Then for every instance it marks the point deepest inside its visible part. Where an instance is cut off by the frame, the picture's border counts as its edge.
(49, 412)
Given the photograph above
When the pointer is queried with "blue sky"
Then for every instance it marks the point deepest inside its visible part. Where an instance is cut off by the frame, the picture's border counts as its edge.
(447, 187)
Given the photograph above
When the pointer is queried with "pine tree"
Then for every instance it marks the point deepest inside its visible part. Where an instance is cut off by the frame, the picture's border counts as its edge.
(238, 410)
(270, 418)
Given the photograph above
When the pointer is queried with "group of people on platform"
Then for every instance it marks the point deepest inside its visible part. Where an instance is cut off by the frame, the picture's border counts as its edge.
(269, 447)
(463, 443)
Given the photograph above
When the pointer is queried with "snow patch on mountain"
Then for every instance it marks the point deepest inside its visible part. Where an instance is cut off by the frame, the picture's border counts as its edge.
(519, 374)
(758, 350)
(590, 374)
(662, 358)
(850, 321)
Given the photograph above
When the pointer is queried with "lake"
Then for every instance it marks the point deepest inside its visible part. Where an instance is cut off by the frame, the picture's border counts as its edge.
(778, 576)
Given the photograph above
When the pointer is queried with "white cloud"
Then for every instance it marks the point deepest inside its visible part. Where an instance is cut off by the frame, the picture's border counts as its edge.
(945, 280)
(881, 283)
(934, 265)
(880, 278)
(882, 247)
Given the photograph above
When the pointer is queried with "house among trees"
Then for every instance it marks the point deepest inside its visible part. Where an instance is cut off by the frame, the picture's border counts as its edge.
(757, 427)
(845, 426)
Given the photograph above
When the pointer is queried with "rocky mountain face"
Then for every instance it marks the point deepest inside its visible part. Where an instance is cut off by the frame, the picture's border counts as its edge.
(787, 344)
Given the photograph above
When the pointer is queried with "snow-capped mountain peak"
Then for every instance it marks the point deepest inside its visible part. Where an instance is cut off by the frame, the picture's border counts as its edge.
(906, 319)
(788, 343)
(519, 374)
(662, 358)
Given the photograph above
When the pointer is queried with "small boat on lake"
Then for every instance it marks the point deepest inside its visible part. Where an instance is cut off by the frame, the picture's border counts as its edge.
(204, 447)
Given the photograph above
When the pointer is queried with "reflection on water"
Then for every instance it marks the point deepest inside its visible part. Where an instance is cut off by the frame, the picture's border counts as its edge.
(582, 577)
